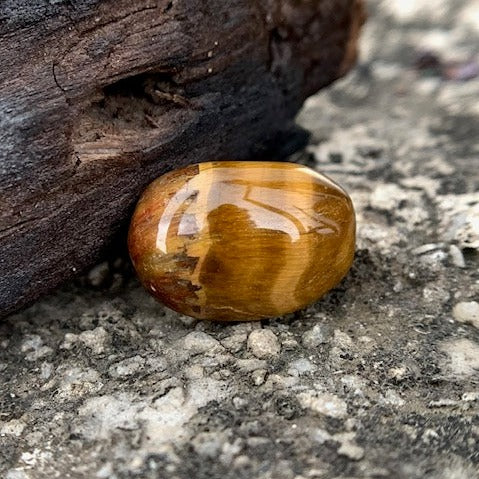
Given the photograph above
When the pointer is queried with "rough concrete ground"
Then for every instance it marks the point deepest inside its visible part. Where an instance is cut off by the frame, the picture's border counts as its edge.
(379, 379)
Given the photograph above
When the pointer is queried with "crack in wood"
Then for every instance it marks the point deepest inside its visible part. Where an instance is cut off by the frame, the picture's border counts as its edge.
(55, 79)
(119, 19)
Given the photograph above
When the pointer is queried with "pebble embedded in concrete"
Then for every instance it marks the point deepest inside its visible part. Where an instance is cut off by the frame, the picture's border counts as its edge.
(258, 376)
(323, 403)
(462, 358)
(351, 450)
(263, 343)
(315, 336)
(467, 312)
(14, 427)
(94, 339)
(198, 342)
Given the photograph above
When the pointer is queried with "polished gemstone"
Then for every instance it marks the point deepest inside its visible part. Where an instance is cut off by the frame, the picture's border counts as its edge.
(237, 240)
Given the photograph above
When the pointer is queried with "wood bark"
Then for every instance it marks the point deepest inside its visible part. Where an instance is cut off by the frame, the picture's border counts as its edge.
(98, 97)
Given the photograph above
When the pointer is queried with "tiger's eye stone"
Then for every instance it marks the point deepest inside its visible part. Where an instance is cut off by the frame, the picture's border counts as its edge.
(239, 240)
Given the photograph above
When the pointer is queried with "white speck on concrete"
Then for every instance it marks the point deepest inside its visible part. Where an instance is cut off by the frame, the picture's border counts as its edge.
(127, 366)
(398, 373)
(162, 418)
(443, 403)
(277, 382)
(456, 256)
(198, 342)
(34, 347)
(14, 427)
(467, 312)
(301, 366)
(469, 14)
(323, 403)
(76, 382)
(99, 416)
(429, 185)
(258, 376)
(263, 343)
(351, 450)
(470, 396)
(342, 340)
(436, 293)
(459, 219)
(229, 450)
(235, 342)
(393, 398)
(46, 370)
(315, 336)
(289, 344)
(387, 197)
(354, 384)
(106, 472)
(251, 364)
(94, 339)
(412, 10)
(194, 372)
(462, 357)
(17, 474)
(31, 342)
(208, 444)
(321, 436)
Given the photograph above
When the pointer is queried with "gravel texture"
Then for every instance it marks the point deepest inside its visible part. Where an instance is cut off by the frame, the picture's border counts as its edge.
(379, 379)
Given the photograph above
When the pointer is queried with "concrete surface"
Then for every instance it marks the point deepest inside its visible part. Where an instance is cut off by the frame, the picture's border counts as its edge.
(379, 379)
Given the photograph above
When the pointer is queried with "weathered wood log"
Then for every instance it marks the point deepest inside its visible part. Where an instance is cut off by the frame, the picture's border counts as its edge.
(98, 97)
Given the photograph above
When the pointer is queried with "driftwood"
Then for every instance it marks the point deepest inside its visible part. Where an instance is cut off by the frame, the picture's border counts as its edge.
(98, 97)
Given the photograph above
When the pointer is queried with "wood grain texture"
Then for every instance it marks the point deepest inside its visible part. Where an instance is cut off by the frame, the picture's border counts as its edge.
(98, 97)
(242, 240)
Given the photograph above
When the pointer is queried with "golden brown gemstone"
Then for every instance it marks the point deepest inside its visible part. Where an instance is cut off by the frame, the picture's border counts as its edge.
(238, 240)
